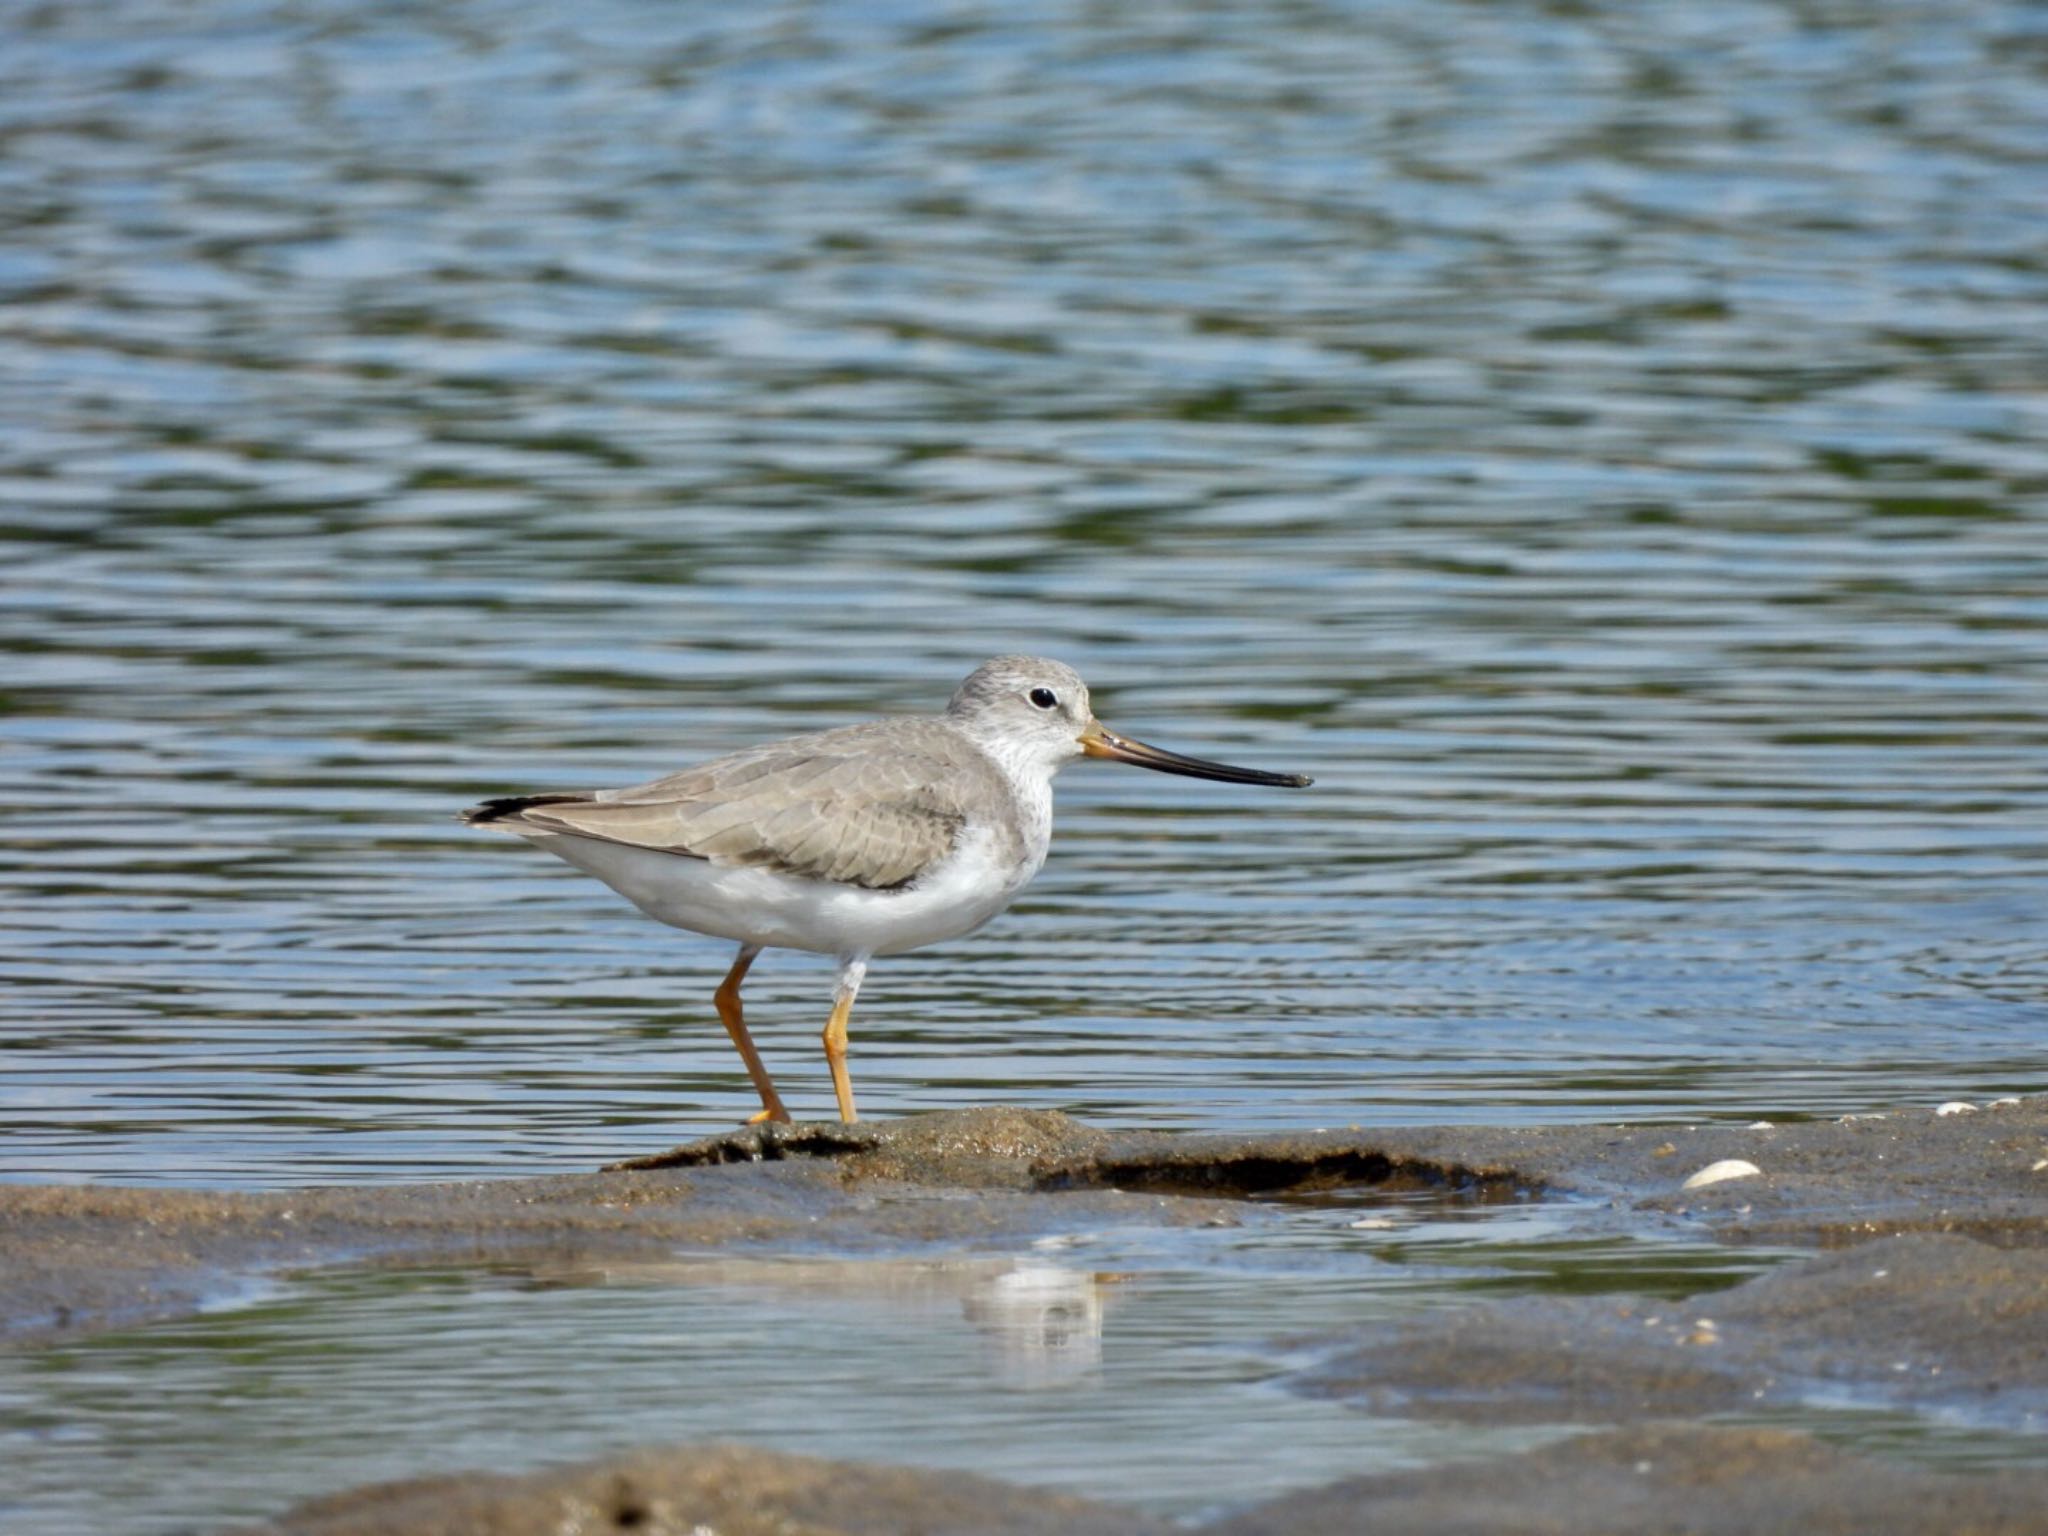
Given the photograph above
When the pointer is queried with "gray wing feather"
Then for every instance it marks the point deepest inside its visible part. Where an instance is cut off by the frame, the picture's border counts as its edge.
(868, 806)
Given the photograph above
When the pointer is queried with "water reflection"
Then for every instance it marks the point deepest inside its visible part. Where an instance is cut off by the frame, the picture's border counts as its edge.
(1040, 1322)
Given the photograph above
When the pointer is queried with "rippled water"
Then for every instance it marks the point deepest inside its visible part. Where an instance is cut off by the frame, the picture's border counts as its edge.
(1603, 444)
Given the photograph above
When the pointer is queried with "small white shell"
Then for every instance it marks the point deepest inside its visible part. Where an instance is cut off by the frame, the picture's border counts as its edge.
(1716, 1173)
(1956, 1107)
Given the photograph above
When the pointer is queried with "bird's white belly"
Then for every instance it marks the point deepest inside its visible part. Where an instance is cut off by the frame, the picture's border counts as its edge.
(759, 906)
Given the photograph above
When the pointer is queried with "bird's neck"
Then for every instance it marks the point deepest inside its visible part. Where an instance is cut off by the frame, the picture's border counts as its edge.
(1029, 774)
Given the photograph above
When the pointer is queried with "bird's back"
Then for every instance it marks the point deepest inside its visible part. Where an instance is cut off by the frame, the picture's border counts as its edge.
(873, 806)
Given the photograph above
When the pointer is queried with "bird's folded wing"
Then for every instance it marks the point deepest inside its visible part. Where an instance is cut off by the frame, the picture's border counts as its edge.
(826, 817)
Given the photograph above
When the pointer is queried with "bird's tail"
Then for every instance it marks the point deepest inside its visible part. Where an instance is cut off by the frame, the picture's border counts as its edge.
(505, 807)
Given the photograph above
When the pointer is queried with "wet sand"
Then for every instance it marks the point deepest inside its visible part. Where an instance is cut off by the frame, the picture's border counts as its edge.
(81, 1257)
(1927, 1291)
(1675, 1480)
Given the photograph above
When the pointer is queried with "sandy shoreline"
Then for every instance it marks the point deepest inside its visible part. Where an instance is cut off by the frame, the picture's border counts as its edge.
(1927, 1291)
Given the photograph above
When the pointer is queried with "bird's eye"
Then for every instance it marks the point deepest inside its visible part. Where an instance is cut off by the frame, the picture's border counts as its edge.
(1044, 698)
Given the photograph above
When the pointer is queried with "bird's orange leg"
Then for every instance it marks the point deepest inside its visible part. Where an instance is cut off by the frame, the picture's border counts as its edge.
(835, 1058)
(851, 971)
(727, 997)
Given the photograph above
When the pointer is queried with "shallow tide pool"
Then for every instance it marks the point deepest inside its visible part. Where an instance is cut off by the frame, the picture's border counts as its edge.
(1141, 1365)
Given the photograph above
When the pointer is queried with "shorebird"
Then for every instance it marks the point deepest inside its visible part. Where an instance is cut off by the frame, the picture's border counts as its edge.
(868, 840)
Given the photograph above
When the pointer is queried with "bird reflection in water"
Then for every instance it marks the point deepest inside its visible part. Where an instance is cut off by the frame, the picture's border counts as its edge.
(1040, 1322)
